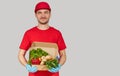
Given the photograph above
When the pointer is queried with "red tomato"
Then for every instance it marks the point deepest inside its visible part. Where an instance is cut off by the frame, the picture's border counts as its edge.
(36, 61)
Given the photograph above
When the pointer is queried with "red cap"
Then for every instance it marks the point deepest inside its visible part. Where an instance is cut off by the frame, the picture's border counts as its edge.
(42, 5)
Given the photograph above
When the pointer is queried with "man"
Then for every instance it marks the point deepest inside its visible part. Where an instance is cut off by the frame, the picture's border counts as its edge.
(43, 32)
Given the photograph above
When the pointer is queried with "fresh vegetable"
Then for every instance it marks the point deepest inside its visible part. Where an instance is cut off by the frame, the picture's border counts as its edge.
(48, 57)
(40, 57)
(51, 63)
(35, 54)
(35, 61)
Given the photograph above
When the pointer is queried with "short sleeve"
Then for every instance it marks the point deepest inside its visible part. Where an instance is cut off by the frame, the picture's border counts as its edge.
(61, 42)
(25, 43)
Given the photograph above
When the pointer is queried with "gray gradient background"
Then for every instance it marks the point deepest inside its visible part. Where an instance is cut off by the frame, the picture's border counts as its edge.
(91, 29)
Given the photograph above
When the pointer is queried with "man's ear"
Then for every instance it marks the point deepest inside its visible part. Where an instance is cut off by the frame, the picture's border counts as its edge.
(50, 14)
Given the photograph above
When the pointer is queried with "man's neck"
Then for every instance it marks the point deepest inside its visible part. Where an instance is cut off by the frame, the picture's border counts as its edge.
(43, 26)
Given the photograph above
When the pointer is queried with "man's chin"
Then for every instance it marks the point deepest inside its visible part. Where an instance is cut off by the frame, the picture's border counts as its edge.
(43, 22)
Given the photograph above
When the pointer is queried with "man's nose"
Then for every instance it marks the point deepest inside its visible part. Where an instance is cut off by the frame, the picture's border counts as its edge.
(43, 15)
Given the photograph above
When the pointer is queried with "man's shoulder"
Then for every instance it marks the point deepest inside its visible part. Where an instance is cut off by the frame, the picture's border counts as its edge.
(55, 30)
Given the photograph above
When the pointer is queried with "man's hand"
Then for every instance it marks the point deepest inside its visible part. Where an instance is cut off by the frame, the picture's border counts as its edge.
(31, 69)
(53, 70)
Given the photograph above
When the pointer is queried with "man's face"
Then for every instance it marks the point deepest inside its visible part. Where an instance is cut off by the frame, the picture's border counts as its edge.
(43, 16)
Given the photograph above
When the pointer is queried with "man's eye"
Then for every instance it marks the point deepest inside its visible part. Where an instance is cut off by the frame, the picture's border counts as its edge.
(39, 12)
(46, 12)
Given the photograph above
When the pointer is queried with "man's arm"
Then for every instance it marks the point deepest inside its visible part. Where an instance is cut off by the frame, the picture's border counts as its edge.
(62, 54)
(21, 57)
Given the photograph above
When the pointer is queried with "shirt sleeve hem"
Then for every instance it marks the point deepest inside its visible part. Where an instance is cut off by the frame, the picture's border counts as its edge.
(62, 49)
(23, 49)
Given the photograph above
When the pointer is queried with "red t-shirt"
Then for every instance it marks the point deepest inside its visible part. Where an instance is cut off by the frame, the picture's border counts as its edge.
(50, 35)
(35, 34)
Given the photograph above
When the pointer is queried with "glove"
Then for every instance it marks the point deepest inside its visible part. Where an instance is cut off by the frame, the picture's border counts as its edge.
(31, 69)
(53, 70)
(57, 57)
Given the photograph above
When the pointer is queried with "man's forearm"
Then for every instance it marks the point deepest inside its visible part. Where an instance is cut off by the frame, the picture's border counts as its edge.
(21, 57)
(62, 60)
(62, 57)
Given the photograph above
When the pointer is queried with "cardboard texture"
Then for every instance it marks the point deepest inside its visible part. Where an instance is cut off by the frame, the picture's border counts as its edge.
(50, 48)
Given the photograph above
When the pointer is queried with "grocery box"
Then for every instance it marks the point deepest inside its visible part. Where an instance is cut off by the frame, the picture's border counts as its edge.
(43, 55)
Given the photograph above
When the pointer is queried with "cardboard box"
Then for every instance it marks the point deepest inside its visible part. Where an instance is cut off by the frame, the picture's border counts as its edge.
(50, 48)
